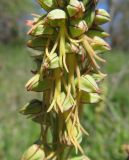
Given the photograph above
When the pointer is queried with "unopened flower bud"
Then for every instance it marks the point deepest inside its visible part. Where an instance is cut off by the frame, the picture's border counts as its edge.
(37, 43)
(97, 31)
(75, 9)
(47, 4)
(34, 153)
(37, 85)
(56, 17)
(42, 30)
(32, 107)
(101, 17)
(78, 28)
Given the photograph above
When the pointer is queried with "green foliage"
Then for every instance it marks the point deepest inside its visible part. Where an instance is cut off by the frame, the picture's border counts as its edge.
(15, 135)
(11, 14)
(109, 127)
(14, 8)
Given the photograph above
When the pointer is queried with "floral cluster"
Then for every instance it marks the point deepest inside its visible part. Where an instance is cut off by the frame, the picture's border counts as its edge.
(68, 43)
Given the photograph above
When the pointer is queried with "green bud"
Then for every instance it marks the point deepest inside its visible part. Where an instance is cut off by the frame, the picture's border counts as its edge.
(99, 48)
(101, 17)
(78, 28)
(56, 17)
(32, 107)
(97, 31)
(37, 85)
(34, 153)
(75, 9)
(38, 43)
(77, 134)
(67, 101)
(41, 30)
(73, 135)
(38, 63)
(32, 82)
(88, 84)
(98, 77)
(47, 4)
(52, 62)
(99, 41)
(90, 98)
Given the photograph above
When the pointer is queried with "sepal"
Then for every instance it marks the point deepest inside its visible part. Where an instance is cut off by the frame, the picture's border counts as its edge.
(32, 107)
(75, 9)
(78, 28)
(90, 97)
(41, 30)
(47, 4)
(101, 17)
(38, 85)
(35, 152)
(56, 17)
(88, 84)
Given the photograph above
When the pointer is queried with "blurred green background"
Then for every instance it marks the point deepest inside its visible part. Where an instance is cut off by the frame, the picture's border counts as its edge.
(107, 123)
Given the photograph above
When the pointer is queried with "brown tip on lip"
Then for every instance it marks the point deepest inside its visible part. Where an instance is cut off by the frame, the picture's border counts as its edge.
(28, 89)
(28, 33)
(28, 43)
(99, 91)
